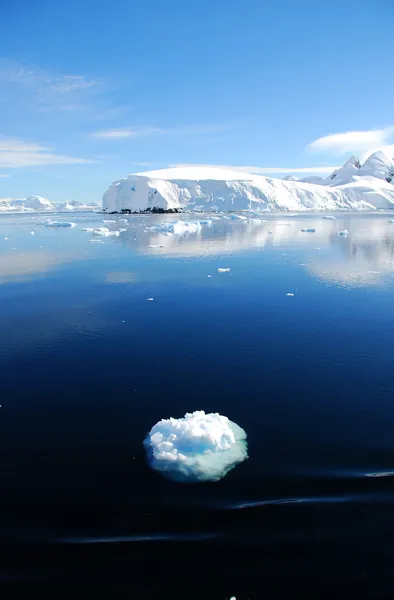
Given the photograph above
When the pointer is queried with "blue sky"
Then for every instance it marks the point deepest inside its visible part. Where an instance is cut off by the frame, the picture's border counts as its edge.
(92, 91)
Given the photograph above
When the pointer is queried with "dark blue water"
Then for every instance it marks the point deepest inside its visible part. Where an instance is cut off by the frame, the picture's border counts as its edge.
(88, 366)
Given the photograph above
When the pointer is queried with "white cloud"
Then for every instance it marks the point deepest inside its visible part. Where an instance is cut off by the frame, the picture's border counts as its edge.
(133, 132)
(47, 89)
(15, 153)
(266, 170)
(128, 132)
(350, 142)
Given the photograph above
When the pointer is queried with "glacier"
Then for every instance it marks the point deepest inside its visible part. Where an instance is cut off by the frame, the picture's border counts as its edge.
(198, 447)
(354, 186)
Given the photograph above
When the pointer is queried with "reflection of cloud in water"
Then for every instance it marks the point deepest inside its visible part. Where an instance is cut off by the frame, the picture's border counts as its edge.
(21, 267)
(361, 262)
(365, 257)
(120, 277)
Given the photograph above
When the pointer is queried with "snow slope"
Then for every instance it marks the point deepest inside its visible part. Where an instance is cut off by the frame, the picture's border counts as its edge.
(38, 203)
(351, 187)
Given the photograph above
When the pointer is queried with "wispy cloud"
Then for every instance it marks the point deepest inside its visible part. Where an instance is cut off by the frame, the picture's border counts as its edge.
(349, 142)
(16, 153)
(47, 89)
(266, 170)
(135, 132)
(127, 132)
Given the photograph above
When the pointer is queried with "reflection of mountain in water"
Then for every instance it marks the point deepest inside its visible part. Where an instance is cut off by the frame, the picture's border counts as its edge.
(364, 257)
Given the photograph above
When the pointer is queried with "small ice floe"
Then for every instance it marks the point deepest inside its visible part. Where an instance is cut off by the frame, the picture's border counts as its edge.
(197, 447)
(289, 294)
(122, 221)
(89, 229)
(329, 217)
(210, 276)
(223, 270)
(176, 227)
(105, 232)
(270, 231)
(309, 230)
(6, 238)
(59, 224)
(149, 299)
(317, 248)
(32, 233)
(96, 242)
(343, 233)
(156, 246)
(255, 221)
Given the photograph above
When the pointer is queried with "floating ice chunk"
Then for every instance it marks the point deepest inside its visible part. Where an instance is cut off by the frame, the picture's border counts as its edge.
(104, 232)
(122, 220)
(210, 276)
(109, 221)
(344, 232)
(59, 224)
(32, 233)
(156, 246)
(149, 298)
(197, 447)
(6, 238)
(270, 231)
(89, 229)
(255, 221)
(329, 217)
(289, 294)
(96, 242)
(177, 227)
(309, 230)
(222, 270)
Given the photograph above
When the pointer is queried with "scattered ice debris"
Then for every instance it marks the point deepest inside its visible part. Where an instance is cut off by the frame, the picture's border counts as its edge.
(96, 242)
(309, 230)
(109, 221)
(176, 227)
(156, 246)
(149, 298)
(89, 229)
(254, 221)
(197, 447)
(105, 232)
(233, 217)
(59, 224)
(122, 220)
(289, 294)
(344, 232)
(329, 217)
(223, 270)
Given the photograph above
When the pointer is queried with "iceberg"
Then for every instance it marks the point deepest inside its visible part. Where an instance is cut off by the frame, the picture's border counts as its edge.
(198, 447)
(354, 186)
(309, 230)
(176, 227)
(105, 232)
(59, 224)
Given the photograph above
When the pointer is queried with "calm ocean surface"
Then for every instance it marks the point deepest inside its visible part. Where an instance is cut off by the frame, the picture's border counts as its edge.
(88, 366)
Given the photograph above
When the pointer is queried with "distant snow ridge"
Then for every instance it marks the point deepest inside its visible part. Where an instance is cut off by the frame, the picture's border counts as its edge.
(197, 447)
(38, 203)
(354, 186)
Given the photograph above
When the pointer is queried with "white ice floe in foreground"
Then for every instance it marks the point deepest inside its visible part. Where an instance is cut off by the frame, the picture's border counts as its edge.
(59, 224)
(197, 447)
(353, 186)
(223, 270)
(105, 232)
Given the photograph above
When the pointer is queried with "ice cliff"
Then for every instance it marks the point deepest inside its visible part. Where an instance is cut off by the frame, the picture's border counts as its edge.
(353, 186)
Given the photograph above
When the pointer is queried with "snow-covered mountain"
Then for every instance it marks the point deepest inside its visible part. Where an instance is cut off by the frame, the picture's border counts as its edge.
(353, 186)
(39, 204)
